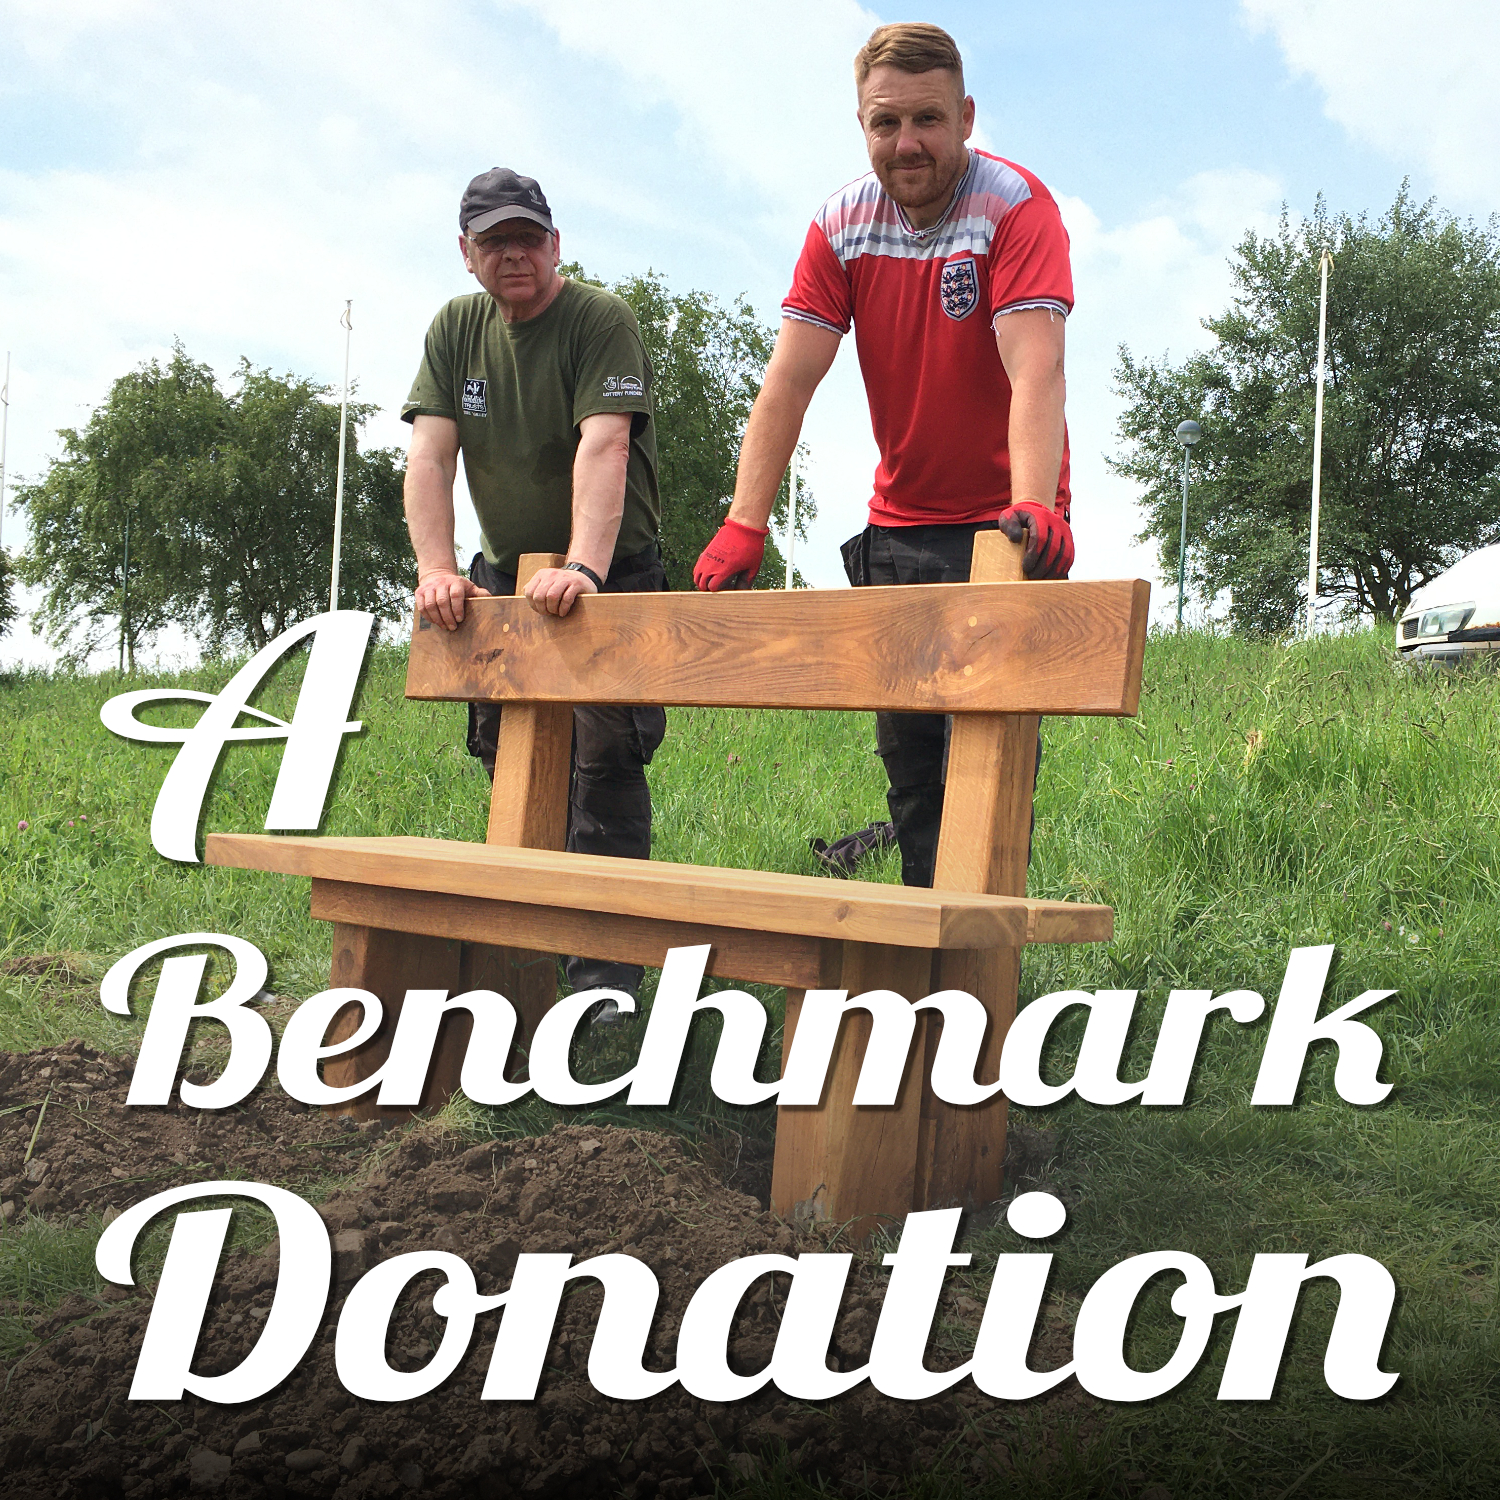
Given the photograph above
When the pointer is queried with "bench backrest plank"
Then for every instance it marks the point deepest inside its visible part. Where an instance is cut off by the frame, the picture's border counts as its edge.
(1051, 648)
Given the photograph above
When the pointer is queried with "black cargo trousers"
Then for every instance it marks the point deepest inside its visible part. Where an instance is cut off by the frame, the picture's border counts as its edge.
(914, 747)
(609, 802)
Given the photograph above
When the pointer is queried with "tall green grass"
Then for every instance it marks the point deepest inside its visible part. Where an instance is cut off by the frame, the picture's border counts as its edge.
(1265, 797)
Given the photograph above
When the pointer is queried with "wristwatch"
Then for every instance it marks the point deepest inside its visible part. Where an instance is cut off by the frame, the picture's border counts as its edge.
(588, 572)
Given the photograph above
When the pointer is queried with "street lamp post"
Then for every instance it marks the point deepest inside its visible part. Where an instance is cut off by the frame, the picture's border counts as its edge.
(1325, 264)
(1188, 433)
(4, 424)
(125, 594)
(347, 323)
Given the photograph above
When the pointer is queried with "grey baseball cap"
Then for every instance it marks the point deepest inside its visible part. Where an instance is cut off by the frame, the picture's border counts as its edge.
(498, 195)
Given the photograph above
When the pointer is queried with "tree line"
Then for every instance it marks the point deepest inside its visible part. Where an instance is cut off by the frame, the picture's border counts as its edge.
(1411, 426)
(182, 501)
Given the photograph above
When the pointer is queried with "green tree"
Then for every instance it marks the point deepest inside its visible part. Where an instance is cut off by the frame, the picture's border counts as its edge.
(9, 609)
(262, 512)
(224, 503)
(708, 362)
(122, 477)
(1411, 428)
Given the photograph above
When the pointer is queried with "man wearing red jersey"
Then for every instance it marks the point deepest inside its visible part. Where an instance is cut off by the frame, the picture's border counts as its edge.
(952, 266)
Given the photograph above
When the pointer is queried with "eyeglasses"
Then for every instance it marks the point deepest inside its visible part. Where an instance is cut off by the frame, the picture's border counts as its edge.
(529, 240)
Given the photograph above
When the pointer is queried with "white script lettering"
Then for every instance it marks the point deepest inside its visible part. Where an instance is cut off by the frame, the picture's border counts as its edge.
(798, 1366)
(312, 738)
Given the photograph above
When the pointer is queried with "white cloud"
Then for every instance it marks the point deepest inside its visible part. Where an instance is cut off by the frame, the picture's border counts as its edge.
(765, 92)
(231, 177)
(1416, 79)
(228, 176)
(1151, 281)
(1146, 283)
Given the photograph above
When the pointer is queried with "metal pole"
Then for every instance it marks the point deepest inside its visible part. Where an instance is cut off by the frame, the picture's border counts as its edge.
(1182, 535)
(347, 323)
(4, 425)
(125, 592)
(1317, 482)
(791, 525)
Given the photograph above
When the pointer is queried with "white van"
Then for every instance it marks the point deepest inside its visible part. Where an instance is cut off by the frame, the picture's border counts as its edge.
(1457, 616)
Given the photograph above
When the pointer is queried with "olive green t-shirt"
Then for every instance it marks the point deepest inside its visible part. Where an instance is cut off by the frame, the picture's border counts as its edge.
(518, 392)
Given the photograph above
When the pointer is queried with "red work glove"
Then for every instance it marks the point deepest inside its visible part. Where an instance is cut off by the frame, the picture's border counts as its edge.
(735, 550)
(1048, 538)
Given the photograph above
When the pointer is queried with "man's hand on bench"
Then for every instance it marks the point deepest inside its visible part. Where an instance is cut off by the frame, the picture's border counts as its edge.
(440, 597)
(552, 591)
(1046, 534)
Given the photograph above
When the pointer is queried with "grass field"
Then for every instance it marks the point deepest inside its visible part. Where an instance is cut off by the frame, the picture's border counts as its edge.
(1264, 798)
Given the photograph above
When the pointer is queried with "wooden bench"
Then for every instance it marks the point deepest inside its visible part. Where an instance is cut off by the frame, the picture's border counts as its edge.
(995, 653)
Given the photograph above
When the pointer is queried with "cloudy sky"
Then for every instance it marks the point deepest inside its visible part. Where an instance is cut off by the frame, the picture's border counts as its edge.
(228, 175)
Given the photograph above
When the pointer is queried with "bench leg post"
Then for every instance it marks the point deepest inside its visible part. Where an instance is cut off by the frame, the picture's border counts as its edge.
(962, 1155)
(835, 1161)
(526, 978)
(388, 964)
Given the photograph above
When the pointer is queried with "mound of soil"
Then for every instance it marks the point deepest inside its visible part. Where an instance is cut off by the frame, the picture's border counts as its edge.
(68, 1429)
(94, 1153)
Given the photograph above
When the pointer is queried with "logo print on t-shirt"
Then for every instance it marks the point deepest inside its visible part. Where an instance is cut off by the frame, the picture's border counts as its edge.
(958, 287)
(474, 403)
(623, 385)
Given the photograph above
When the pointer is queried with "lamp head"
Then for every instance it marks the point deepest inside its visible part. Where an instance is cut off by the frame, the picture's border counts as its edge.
(1188, 433)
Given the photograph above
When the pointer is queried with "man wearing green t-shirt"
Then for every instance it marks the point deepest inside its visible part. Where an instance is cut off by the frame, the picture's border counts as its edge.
(544, 387)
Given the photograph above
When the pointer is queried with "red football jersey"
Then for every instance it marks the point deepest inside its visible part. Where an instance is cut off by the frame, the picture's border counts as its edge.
(923, 304)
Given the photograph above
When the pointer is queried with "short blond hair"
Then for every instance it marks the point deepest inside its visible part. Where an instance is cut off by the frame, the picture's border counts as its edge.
(911, 46)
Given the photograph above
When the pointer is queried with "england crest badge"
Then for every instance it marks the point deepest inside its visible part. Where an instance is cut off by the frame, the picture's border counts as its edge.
(958, 287)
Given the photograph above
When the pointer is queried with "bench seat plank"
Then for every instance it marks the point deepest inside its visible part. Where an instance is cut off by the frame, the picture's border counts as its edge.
(752, 900)
(1033, 648)
(759, 957)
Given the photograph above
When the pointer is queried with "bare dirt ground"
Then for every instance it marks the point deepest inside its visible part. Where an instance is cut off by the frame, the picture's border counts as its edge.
(68, 1429)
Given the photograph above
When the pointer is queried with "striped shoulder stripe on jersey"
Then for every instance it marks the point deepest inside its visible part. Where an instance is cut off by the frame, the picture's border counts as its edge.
(801, 315)
(1050, 303)
(861, 219)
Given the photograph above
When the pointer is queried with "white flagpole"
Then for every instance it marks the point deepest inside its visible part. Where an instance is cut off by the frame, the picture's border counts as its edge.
(347, 322)
(1317, 482)
(4, 425)
(791, 524)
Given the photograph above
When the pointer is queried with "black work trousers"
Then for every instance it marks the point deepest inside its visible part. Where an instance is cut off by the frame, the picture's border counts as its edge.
(609, 802)
(914, 747)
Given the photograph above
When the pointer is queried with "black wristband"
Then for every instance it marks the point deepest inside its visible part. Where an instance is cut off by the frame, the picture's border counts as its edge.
(588, 572)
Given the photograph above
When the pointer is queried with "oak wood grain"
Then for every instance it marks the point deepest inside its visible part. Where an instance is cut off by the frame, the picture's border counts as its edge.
(962, 1157)
(835, 1161)
(431, 913)
(983, 845)
(529, 798)
(388, 964)
(1056, 648)
(528, 809)
(527, 979)
(809, 905)
(757, 957)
